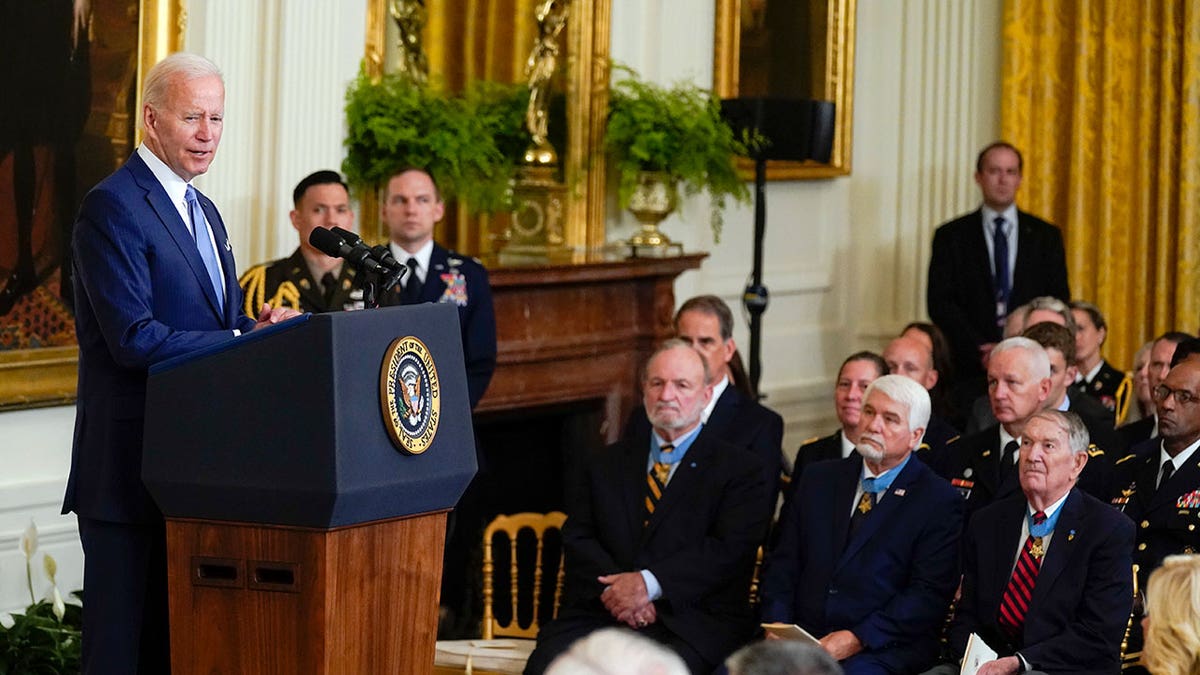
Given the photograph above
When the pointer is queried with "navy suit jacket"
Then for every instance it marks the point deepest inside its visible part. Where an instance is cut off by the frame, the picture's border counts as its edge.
(463, 281)
(890, 582)
(960, 297)
(1082, 596)
(700, 543)
(142, 295)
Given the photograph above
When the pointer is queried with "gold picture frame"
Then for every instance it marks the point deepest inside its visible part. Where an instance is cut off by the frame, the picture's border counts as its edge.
(46, 376)
(586, 64)
(833, 60)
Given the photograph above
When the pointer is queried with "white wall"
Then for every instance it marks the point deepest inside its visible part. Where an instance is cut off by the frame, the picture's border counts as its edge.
(845, 258)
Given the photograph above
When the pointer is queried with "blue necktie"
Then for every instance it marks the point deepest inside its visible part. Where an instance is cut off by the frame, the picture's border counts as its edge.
(1000, 261)
(207, 253)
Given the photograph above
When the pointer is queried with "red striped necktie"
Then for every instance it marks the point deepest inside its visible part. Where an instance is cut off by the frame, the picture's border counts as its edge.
(1015, 602)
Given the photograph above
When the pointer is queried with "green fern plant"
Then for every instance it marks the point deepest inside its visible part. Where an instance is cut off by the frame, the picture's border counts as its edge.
(677, 130)
(470, 142)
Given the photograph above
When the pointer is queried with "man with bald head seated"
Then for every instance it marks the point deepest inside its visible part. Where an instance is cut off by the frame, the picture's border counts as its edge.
(662, 530)
(983, 465)
(858, 371)
(706, 323)
(911, 358)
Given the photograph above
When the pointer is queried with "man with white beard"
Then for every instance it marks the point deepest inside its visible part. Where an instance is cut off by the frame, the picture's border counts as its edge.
(662, 529)
(867, 559)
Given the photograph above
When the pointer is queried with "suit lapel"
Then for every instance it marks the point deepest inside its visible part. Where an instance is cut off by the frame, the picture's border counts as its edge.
(633, 478)
(884, 510)
(724, 412)
(1062, 546)
(161, 204)
(1147, 476)
(434, 287)
(686, 478)
(976, 254)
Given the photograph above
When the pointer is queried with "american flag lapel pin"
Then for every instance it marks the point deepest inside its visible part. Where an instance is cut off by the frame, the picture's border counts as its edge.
(899, 492)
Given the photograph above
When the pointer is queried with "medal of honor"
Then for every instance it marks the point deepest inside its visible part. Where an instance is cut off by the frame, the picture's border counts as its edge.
(1035, 548)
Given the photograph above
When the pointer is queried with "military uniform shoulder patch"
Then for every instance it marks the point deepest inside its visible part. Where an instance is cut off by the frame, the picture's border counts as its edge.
(1094, 451)
(1125, 459)
(810, 441)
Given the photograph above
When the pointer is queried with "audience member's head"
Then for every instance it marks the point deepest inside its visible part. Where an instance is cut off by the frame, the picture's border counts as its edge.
(911, 358)
(1018, 377)
(1188, 349)
(321, 199)
(1053, 453)
(1161, 354)
(857, 372)
(1177, 398)
(1060, 349)
(616, 651)
(935, 340)
(782, 657)
(895, 414)
(411, 207)
(1014, 323)
(1141, 380)
(1049, 308)
(675, 388)
(1172, 621)
(998, 174)
(706, 323)
(1090, 332)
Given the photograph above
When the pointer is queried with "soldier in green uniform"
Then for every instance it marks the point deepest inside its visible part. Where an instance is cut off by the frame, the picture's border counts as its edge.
(308, 280)
(1097, 377)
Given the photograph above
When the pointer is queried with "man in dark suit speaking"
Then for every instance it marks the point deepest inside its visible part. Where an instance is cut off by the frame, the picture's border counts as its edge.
(867, 559)
(1046, 574)
(154, 278)
(662, 530)
(987, 262)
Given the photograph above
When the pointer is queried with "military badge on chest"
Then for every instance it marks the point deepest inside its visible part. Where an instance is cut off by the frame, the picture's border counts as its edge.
(1122, 500)
(1190, 500)
(964, 485)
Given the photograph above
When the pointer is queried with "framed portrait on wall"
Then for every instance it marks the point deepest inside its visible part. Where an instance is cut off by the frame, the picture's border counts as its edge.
(68, 118)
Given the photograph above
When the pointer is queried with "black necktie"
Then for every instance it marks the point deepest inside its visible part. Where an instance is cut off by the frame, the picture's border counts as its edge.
(411, 294)
(329, 286)
(1000, 261)
(1007, 465)
(1168, 468)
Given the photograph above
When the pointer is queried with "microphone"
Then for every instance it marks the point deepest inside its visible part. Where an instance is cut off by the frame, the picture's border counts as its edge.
(381, 254)
(357, 254)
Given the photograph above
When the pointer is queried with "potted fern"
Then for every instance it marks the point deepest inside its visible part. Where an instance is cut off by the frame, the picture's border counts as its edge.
(660, 137)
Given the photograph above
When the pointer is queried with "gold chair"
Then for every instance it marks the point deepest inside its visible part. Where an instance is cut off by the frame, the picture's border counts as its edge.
(1132, 659)
(504, 648)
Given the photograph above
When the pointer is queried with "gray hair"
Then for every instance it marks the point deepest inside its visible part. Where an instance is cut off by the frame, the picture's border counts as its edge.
(676, 343)
(1039, 360)
(178, 65)
(1050, 303)
(616, 651)
(782, 657)
(907, 392)
(1070, 424)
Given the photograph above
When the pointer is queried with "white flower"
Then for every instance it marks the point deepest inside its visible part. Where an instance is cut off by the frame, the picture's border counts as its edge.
(29, 541)
(49, 567)
(60, 607)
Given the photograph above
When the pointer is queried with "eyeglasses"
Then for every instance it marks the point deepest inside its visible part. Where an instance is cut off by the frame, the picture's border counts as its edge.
(1182, 396)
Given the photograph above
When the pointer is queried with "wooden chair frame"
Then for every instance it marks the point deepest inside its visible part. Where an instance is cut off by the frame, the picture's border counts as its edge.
(512, 525)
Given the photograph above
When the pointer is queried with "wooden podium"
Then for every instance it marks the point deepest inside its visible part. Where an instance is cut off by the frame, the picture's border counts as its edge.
(306, 494)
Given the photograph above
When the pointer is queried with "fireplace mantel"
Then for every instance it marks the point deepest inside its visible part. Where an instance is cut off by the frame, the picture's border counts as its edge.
(579, 331)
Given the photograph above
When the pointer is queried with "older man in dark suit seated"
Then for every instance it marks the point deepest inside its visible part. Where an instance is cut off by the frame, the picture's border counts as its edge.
(662, 530)
(1046, 574)
(868, 552)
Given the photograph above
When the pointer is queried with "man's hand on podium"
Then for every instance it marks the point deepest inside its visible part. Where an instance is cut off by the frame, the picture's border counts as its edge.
(269, 315)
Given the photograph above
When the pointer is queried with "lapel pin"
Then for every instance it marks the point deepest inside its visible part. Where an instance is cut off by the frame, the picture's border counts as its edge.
(1071, 535)
(899, 492)
(228, 246)
(693, 465)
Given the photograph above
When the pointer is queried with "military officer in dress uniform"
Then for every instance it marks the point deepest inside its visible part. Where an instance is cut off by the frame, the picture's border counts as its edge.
(1159, 486)
(412, 205)
(858, 371)
(1097, 377)
(308, 280)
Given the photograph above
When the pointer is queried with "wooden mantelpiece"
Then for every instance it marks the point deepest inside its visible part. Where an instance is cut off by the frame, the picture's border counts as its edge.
(579, 331)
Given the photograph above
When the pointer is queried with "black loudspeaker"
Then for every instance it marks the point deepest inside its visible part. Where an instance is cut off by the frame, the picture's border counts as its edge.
(797, 128)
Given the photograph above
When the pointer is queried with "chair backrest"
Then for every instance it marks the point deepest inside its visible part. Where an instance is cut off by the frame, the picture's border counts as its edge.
(539, 524)
(1133, 659)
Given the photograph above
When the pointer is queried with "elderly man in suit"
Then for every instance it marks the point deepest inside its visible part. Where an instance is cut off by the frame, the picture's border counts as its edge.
(706, 323)
(867, 558)
(1046, 574)
(989, 261)
(154, 279)
(662, 531)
